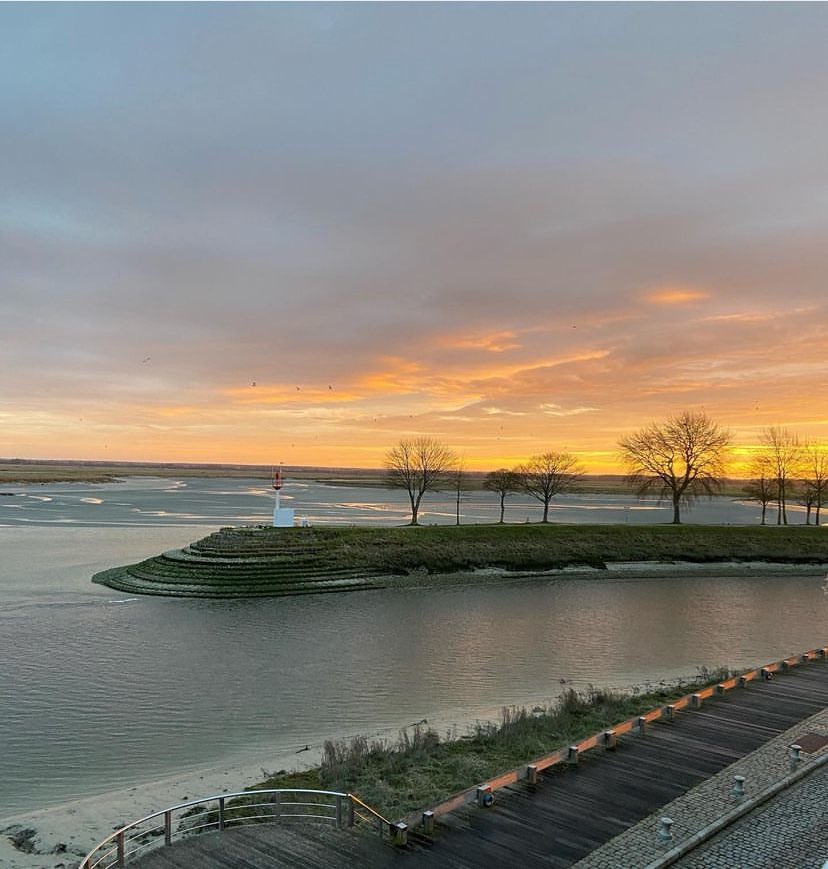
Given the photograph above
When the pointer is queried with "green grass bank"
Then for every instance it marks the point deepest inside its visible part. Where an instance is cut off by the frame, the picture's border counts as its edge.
(264, 561)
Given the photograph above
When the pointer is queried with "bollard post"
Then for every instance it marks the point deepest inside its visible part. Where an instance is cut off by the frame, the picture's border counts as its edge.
(821, 653)
(665, 834)
(767, 675)
(738, 786)
(532, 774)
(610, 740)
(696, 701)
(671, 711)
(796, 756)
(720, 689)
(572, 755)
(400, 830)
(642, 725)
(428, 823)
(743, 682)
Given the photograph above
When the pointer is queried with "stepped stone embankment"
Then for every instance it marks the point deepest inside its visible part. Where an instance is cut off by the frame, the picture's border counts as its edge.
(264, 561)
(244, 562)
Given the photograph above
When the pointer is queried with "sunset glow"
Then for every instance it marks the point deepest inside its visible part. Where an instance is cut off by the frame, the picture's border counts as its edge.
(287, 240)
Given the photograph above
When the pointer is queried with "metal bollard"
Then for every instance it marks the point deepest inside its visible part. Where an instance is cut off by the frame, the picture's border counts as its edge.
(572, 755)
(671, 711)
(696, 701)
(795, 755)
(642, 725)
(610, 740)
(665, 834)
(532, 774)
(738, 786)
(428, 823)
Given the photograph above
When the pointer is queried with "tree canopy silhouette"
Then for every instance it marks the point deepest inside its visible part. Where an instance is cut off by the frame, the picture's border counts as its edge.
(682, 459)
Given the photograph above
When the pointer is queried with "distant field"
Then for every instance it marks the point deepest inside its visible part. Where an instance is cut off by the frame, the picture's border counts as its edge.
(22, 471)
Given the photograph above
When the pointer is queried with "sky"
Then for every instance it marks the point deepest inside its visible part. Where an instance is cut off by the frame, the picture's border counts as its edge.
(299, 233)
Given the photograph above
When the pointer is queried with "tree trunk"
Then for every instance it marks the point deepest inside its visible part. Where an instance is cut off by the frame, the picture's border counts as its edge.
(502, 507)
(546, 510)
(676, 513)
(764, 512)
(816, 515)
(808, 509)
(415, 507)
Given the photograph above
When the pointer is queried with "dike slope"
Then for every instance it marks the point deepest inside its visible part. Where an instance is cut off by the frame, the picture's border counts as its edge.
(263, 561)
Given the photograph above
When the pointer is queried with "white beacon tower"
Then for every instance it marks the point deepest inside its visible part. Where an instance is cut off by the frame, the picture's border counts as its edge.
(282, 516)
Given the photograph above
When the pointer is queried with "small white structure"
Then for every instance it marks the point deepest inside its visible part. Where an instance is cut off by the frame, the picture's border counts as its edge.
(282, 516)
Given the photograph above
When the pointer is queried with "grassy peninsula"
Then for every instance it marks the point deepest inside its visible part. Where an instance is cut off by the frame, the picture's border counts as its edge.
(264, 561)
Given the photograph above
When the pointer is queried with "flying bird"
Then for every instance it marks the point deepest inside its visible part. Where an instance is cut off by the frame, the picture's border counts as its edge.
(145, 360)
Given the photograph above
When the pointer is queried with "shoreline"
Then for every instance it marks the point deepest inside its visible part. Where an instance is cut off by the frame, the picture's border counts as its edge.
(618, 571)
(78, 825)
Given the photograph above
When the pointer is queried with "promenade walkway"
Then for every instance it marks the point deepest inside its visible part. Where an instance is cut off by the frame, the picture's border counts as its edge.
(603, 812)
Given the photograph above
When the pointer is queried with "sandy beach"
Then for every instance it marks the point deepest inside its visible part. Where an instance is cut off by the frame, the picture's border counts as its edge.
(60, 836)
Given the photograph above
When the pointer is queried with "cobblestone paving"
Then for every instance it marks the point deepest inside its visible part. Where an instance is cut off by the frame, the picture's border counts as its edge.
(701, 806)
(789, 832)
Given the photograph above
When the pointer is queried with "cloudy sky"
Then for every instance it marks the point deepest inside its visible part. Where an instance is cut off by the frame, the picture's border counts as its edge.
(300, 232)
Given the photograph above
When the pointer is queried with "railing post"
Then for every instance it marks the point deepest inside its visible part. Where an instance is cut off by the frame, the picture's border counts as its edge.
(400, 830)
(221, 813)
(120, 862)
(339, 810)
(168, 827)
(350, 811)
(278, 804)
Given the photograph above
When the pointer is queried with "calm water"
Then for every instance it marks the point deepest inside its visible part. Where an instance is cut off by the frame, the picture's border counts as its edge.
(101, 691)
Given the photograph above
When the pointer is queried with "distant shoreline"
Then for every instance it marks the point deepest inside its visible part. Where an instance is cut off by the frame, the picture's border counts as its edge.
(25, 472)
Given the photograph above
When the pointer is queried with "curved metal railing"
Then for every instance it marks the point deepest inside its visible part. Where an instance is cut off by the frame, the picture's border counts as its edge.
(217, 813)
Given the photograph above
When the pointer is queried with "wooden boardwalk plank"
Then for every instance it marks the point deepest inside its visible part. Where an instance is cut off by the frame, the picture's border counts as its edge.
(570, 812)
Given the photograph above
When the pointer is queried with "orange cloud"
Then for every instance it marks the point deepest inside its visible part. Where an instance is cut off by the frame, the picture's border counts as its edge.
(676, 296)
(497, 342)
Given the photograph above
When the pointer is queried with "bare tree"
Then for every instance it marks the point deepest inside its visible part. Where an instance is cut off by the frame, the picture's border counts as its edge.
(459, 484)
(785, 453)
(761, 486)
(682, 459)
(503, 483)
(547, 475)
(816, 478)
(418, 465)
